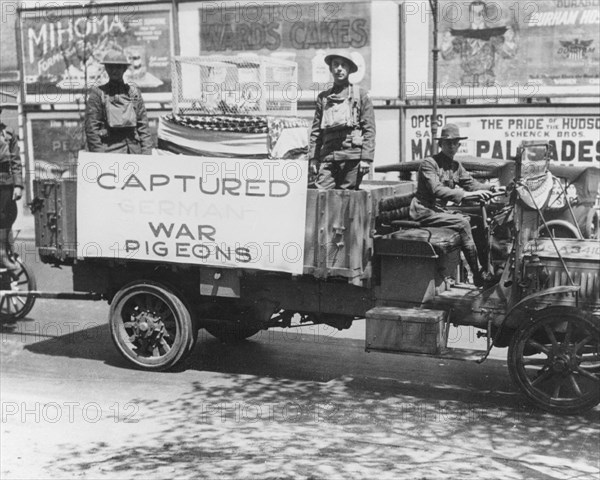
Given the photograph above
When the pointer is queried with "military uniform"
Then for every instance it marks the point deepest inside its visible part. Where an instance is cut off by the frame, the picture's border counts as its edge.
(437, 180)
(101, 137)
(343, 130)
(11, 176)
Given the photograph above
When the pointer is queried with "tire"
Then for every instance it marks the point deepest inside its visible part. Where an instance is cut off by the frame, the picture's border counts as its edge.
(554, 359)
(151, 326)
(559, 229)
(15, 308)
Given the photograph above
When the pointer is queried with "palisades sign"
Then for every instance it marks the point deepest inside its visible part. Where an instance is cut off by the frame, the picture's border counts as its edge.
(181, 209)
(572, 137)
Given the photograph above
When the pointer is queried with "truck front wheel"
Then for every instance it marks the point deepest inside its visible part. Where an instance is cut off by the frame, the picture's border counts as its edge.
(151, 326)
(555, 360)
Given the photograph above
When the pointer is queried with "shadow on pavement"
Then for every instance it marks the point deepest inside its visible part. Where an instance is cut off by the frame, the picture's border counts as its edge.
(307, 407)
(249, 427)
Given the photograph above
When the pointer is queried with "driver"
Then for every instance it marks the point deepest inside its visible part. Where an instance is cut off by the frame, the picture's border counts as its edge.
(437, 182)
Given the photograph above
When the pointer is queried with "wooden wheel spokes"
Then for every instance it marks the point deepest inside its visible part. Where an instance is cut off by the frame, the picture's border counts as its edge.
(555, 360)
(151, 326)
(17, 307)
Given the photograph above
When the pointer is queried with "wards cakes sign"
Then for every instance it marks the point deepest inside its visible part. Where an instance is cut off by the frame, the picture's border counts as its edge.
(301, 32)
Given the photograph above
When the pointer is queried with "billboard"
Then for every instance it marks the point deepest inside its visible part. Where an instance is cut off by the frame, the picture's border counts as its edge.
(62, 49)
(523, 47)
(296, 31)
(192, 210)
(572, 133)
(59, 138)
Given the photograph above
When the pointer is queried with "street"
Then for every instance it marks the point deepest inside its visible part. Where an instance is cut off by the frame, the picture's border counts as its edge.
(297, 404)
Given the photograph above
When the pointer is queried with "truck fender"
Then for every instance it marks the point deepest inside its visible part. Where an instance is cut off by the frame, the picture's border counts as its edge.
(510, 319)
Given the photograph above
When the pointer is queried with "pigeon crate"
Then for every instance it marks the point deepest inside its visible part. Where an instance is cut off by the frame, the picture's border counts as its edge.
(54, 211)
(405, 330)
(234, 85)
(339, 232)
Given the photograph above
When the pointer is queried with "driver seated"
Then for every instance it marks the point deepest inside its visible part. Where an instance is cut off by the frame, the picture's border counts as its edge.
(442, 179)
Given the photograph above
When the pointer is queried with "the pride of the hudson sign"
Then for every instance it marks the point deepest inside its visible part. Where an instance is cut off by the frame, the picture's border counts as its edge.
(212, 211)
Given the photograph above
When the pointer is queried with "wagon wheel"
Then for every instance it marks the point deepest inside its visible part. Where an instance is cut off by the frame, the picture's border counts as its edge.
(555, 360)
(151, 326)
(15, 308)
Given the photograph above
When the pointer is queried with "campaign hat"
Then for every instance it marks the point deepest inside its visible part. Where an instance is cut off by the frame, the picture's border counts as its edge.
(450, 131)
(344, 56)
(115, 57)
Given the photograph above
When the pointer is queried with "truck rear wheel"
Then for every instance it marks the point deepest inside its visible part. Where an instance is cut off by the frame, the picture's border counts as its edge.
(151, 326)
(555, 360)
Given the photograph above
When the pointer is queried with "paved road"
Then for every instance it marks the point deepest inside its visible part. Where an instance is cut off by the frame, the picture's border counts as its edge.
(307, 404)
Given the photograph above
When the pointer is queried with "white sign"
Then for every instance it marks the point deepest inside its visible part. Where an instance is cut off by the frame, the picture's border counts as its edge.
(210, 211)
(573, 138)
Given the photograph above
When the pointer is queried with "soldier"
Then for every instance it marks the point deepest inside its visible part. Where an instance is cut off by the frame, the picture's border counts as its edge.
(11, 191)
(437, 182)
(342, 139)
(115, 119)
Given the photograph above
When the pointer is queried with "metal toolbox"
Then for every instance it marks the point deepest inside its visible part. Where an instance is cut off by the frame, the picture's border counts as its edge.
(414, 330)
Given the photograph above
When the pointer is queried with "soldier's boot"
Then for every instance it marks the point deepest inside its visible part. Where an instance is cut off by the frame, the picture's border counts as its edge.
(470, 253)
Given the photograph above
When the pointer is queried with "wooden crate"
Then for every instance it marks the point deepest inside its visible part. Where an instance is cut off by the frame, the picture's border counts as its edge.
(339, 230)
(55, 213)
(413, 330)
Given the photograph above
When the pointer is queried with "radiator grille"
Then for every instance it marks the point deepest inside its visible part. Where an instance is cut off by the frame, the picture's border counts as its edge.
(586, 276)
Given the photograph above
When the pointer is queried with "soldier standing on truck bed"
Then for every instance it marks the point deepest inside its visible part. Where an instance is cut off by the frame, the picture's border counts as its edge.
(11, 191)
(342, 139)
(115, 117)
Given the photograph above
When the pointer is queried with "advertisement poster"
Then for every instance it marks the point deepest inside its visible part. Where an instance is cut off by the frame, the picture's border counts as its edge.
(298, 32)
(520, 45)
(193, 210)
(58, 141)
(573, 138)
(63, 48)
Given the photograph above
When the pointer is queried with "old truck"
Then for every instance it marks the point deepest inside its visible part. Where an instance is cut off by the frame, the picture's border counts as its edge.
(361, 259)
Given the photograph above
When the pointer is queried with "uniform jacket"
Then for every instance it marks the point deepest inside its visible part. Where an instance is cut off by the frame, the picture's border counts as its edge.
(11, 170)
(323, 144)
(101, 138)
(437, 180)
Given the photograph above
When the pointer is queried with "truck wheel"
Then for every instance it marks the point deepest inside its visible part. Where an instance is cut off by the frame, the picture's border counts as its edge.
(151, 326)
(559, 229)
(15, 308)
(555, 360)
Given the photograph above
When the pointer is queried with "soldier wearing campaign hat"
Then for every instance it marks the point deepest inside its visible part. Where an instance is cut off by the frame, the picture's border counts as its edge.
(342, 138)
(116, 119)
(11, 190)
(442, 179)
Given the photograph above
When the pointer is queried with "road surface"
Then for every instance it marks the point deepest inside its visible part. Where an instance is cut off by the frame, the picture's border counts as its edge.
(299, 404)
